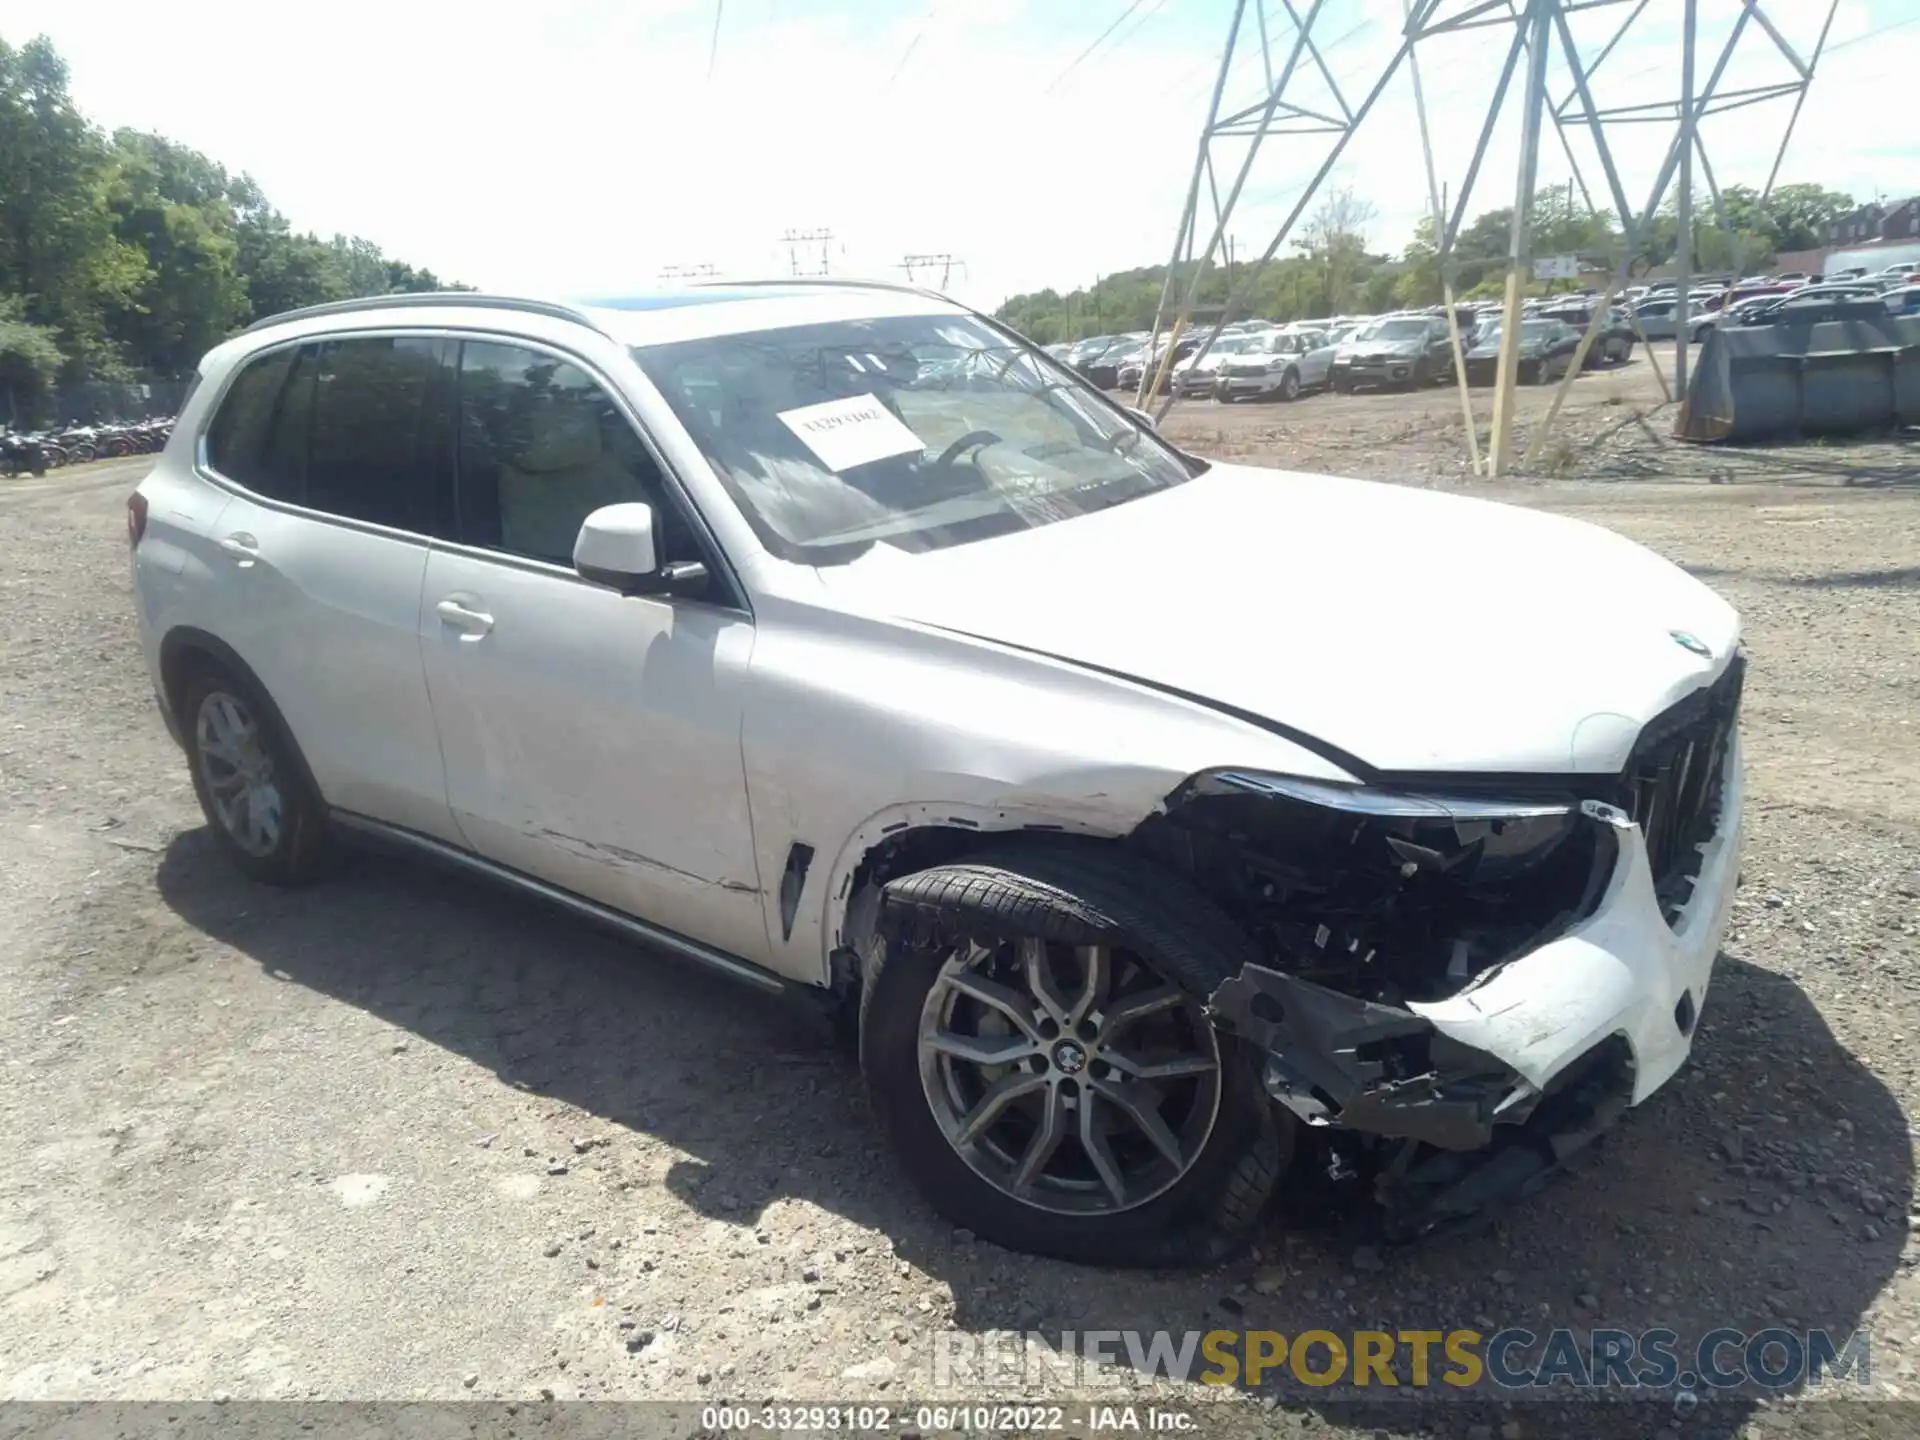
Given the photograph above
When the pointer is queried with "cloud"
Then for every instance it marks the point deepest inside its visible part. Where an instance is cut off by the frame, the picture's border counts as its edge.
(581, 146)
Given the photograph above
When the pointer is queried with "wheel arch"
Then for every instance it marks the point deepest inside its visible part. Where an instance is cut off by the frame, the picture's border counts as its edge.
(903, 839)
(184, 651)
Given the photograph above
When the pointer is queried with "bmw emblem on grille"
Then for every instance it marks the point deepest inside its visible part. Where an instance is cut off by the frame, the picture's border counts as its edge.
(1691, 642)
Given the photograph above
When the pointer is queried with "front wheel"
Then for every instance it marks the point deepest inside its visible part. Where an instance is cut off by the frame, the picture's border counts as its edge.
(1034, 1040)
(1290, 385)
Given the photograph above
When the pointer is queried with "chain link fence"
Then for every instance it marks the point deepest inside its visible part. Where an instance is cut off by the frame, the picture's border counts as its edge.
(94, 402)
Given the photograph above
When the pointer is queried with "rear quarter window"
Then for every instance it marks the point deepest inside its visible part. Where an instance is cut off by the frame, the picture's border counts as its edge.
(237, 440)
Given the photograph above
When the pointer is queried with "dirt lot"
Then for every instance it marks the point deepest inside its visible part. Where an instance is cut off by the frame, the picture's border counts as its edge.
(400, 1136)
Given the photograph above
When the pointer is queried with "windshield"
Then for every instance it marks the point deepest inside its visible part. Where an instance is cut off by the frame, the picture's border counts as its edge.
(1529, 330)
(919, 432)
(1397, 330)
(1274, 342)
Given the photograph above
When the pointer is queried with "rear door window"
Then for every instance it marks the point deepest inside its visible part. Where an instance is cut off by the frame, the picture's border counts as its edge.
(359, 428)
(381, 443)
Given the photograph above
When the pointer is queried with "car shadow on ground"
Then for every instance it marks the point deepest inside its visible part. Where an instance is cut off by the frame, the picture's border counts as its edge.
(1768, 1186)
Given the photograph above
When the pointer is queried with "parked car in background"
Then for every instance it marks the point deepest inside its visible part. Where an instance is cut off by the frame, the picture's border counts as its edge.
(1402, 350)
(1903, 301)
(1808, 304)
(1705, 316)
(1612, 346)
(1283, 364)
(1145, 363)
(1656, 317)
(1195, 376)
(1101, 364)
(1546, 352)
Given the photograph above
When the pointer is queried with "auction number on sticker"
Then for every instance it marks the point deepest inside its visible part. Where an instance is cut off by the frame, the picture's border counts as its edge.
(876, 1418)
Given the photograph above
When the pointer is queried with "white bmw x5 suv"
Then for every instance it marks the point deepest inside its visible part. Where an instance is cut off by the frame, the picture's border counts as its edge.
(1158, 821)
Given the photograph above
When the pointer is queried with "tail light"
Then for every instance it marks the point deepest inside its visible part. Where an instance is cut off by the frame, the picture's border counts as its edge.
(136, 519)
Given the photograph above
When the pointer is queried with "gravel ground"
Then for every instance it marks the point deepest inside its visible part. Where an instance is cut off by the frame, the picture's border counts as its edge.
(402, 1137)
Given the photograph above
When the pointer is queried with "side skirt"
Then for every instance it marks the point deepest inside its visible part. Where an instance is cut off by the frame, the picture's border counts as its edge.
(731, 966)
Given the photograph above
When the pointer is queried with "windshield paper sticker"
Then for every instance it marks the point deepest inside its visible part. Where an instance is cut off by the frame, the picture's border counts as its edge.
(850, 432)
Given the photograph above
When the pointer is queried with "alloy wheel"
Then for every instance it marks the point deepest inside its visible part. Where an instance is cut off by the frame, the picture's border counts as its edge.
(238, 770)
(1072, 1078)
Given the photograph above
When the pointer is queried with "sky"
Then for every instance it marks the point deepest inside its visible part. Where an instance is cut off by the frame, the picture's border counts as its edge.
(576, 147)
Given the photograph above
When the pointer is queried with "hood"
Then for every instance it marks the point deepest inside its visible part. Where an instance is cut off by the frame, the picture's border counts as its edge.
(1414, 630)
(1382, 347)
(1490, 349)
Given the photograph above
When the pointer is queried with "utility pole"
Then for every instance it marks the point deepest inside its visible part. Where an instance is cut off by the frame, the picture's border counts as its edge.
(1539, 23)
(796, 240)
(1683, 249)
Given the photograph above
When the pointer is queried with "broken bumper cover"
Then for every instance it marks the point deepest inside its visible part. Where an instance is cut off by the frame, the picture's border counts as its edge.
(1448, 1072)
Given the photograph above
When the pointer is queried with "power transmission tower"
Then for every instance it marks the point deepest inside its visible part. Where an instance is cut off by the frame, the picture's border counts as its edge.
(1299, 99)
(798, 240)
(946, 264)
(682, 274)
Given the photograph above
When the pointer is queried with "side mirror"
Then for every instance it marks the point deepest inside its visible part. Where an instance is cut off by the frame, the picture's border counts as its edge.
(1140, 417)
(615, 548)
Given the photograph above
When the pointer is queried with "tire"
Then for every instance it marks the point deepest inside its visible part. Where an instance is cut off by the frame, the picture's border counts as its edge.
(1290, 386)
(1056, 896)
(1340, 387)
(301, 846)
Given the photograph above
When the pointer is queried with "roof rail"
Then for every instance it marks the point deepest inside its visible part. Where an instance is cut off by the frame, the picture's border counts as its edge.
(425, 299)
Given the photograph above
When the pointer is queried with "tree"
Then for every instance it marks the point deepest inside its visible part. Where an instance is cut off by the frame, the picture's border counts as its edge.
(58, 250)
(1802, 217)
(170, 203)
(131, 255)
(1334, 238)
(30, 358)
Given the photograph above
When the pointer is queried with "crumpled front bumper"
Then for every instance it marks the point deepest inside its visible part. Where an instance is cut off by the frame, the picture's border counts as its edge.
(1452, 1072)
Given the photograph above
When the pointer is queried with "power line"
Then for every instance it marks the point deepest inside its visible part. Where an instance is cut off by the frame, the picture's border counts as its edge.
(1074, 64)
(913, 44)
(713, 49)
(1876, 33)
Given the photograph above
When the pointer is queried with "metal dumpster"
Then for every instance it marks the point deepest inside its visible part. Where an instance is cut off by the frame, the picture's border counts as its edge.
(1841, 370)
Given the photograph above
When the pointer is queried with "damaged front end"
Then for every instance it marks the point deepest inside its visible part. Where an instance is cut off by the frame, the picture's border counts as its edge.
(1388, 913)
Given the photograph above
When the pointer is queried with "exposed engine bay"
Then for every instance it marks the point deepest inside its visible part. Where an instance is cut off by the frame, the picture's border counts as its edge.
(1385, 897)
(1384, 910)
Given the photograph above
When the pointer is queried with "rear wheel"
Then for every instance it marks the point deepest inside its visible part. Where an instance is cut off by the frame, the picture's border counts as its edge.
(1035, 1042)
(250, 784)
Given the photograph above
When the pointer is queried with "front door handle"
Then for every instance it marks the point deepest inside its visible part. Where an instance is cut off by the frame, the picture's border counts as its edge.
(242, 547)
(461, 617)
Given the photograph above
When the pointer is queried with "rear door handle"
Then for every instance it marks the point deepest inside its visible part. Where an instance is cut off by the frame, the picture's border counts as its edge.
(242, 547)
(474, 622)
